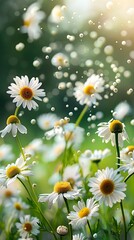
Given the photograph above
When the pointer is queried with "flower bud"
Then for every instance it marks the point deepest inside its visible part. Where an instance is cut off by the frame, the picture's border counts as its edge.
(62, 230)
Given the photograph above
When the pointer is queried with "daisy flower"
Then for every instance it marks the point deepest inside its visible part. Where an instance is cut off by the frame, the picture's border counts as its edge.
(78, 237)
(13, 125)
(128, 164)
(24, 92)
(18, 206)
(28, 226)
(108, 130)
(31, 20)
(83, 212)
(122, 110)
(57, 14)
(98, 155)
(61, 190)
(107, 186)
(89, 92)
(6, 152)
(35, 146)
(126, 153)
(47, 121)
(84, 162)
(72, 174)
(59, 59)
(54, 151)
(71, 135)
(19, 169)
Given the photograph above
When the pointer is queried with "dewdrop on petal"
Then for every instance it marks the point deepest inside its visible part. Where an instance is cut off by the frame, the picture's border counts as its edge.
(62, 230)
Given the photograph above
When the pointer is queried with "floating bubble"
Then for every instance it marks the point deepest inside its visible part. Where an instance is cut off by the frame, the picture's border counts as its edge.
(20, 46)
(108, 49)
(37, 62)
(130, 90)
(33, 121)
(132, 123)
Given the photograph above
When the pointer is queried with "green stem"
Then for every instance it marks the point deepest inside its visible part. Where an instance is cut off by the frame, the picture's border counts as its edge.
(81, 115)
(38, 208)
(16, 111)
(90, 228)
(128, 176)
(20, 147)
(70, 227)
(124, 221)
(117, 149)
(121, 204)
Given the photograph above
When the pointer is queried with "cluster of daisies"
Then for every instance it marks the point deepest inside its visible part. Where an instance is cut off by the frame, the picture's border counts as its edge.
(74, 185)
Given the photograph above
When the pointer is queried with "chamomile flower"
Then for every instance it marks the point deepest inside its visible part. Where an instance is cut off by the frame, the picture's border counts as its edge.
(107, 186)
(47, 121)
(59, 59)
(19, 169)
(35, 146)
(78, 237)
(128, 164)
(72, 174)
(61, 190)
(57, 14)
(31, 20)
(18, 206)
(126, 152)
(122, 110)
(83, 212)
(98, 155)
(54, 151)
(13, 125)
(6, 152)
(85, 163)
(28, 226)
(24, 92)
(108, 130)
(89, 92)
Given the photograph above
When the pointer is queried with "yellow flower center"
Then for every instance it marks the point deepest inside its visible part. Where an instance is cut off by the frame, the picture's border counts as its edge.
(107, 186)
(130, 149)
(62, 187)
(17, 205)
(84, 212)
(12, 171)
(27, 22)
(46, 124)
(26, 93)
(116, 126)
(27, 226)
(8, 193)
(60, 60)
(12, 119)
(89, 89)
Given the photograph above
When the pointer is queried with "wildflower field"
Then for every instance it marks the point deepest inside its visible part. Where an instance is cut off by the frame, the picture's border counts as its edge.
(67, 120)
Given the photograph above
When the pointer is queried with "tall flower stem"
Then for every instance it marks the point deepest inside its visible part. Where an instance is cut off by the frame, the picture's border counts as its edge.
(117, 149)
(20, 147)
(128, 176)
(90, 228)
(121, 203)
(81, 115)
(16, 111)
(38, 209)
(70, 227)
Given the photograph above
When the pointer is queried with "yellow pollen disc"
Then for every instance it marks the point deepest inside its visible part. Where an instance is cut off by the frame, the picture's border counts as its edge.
(17, 205)
(89, 89)
(130, 149)
(107, 186)
(62, 187)
(26, 93)
(27, 22)
(84, 212)
(12, 171)
(46, 124)
(116, 126)
(8, 194)
(12, 119)
(27, 226)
